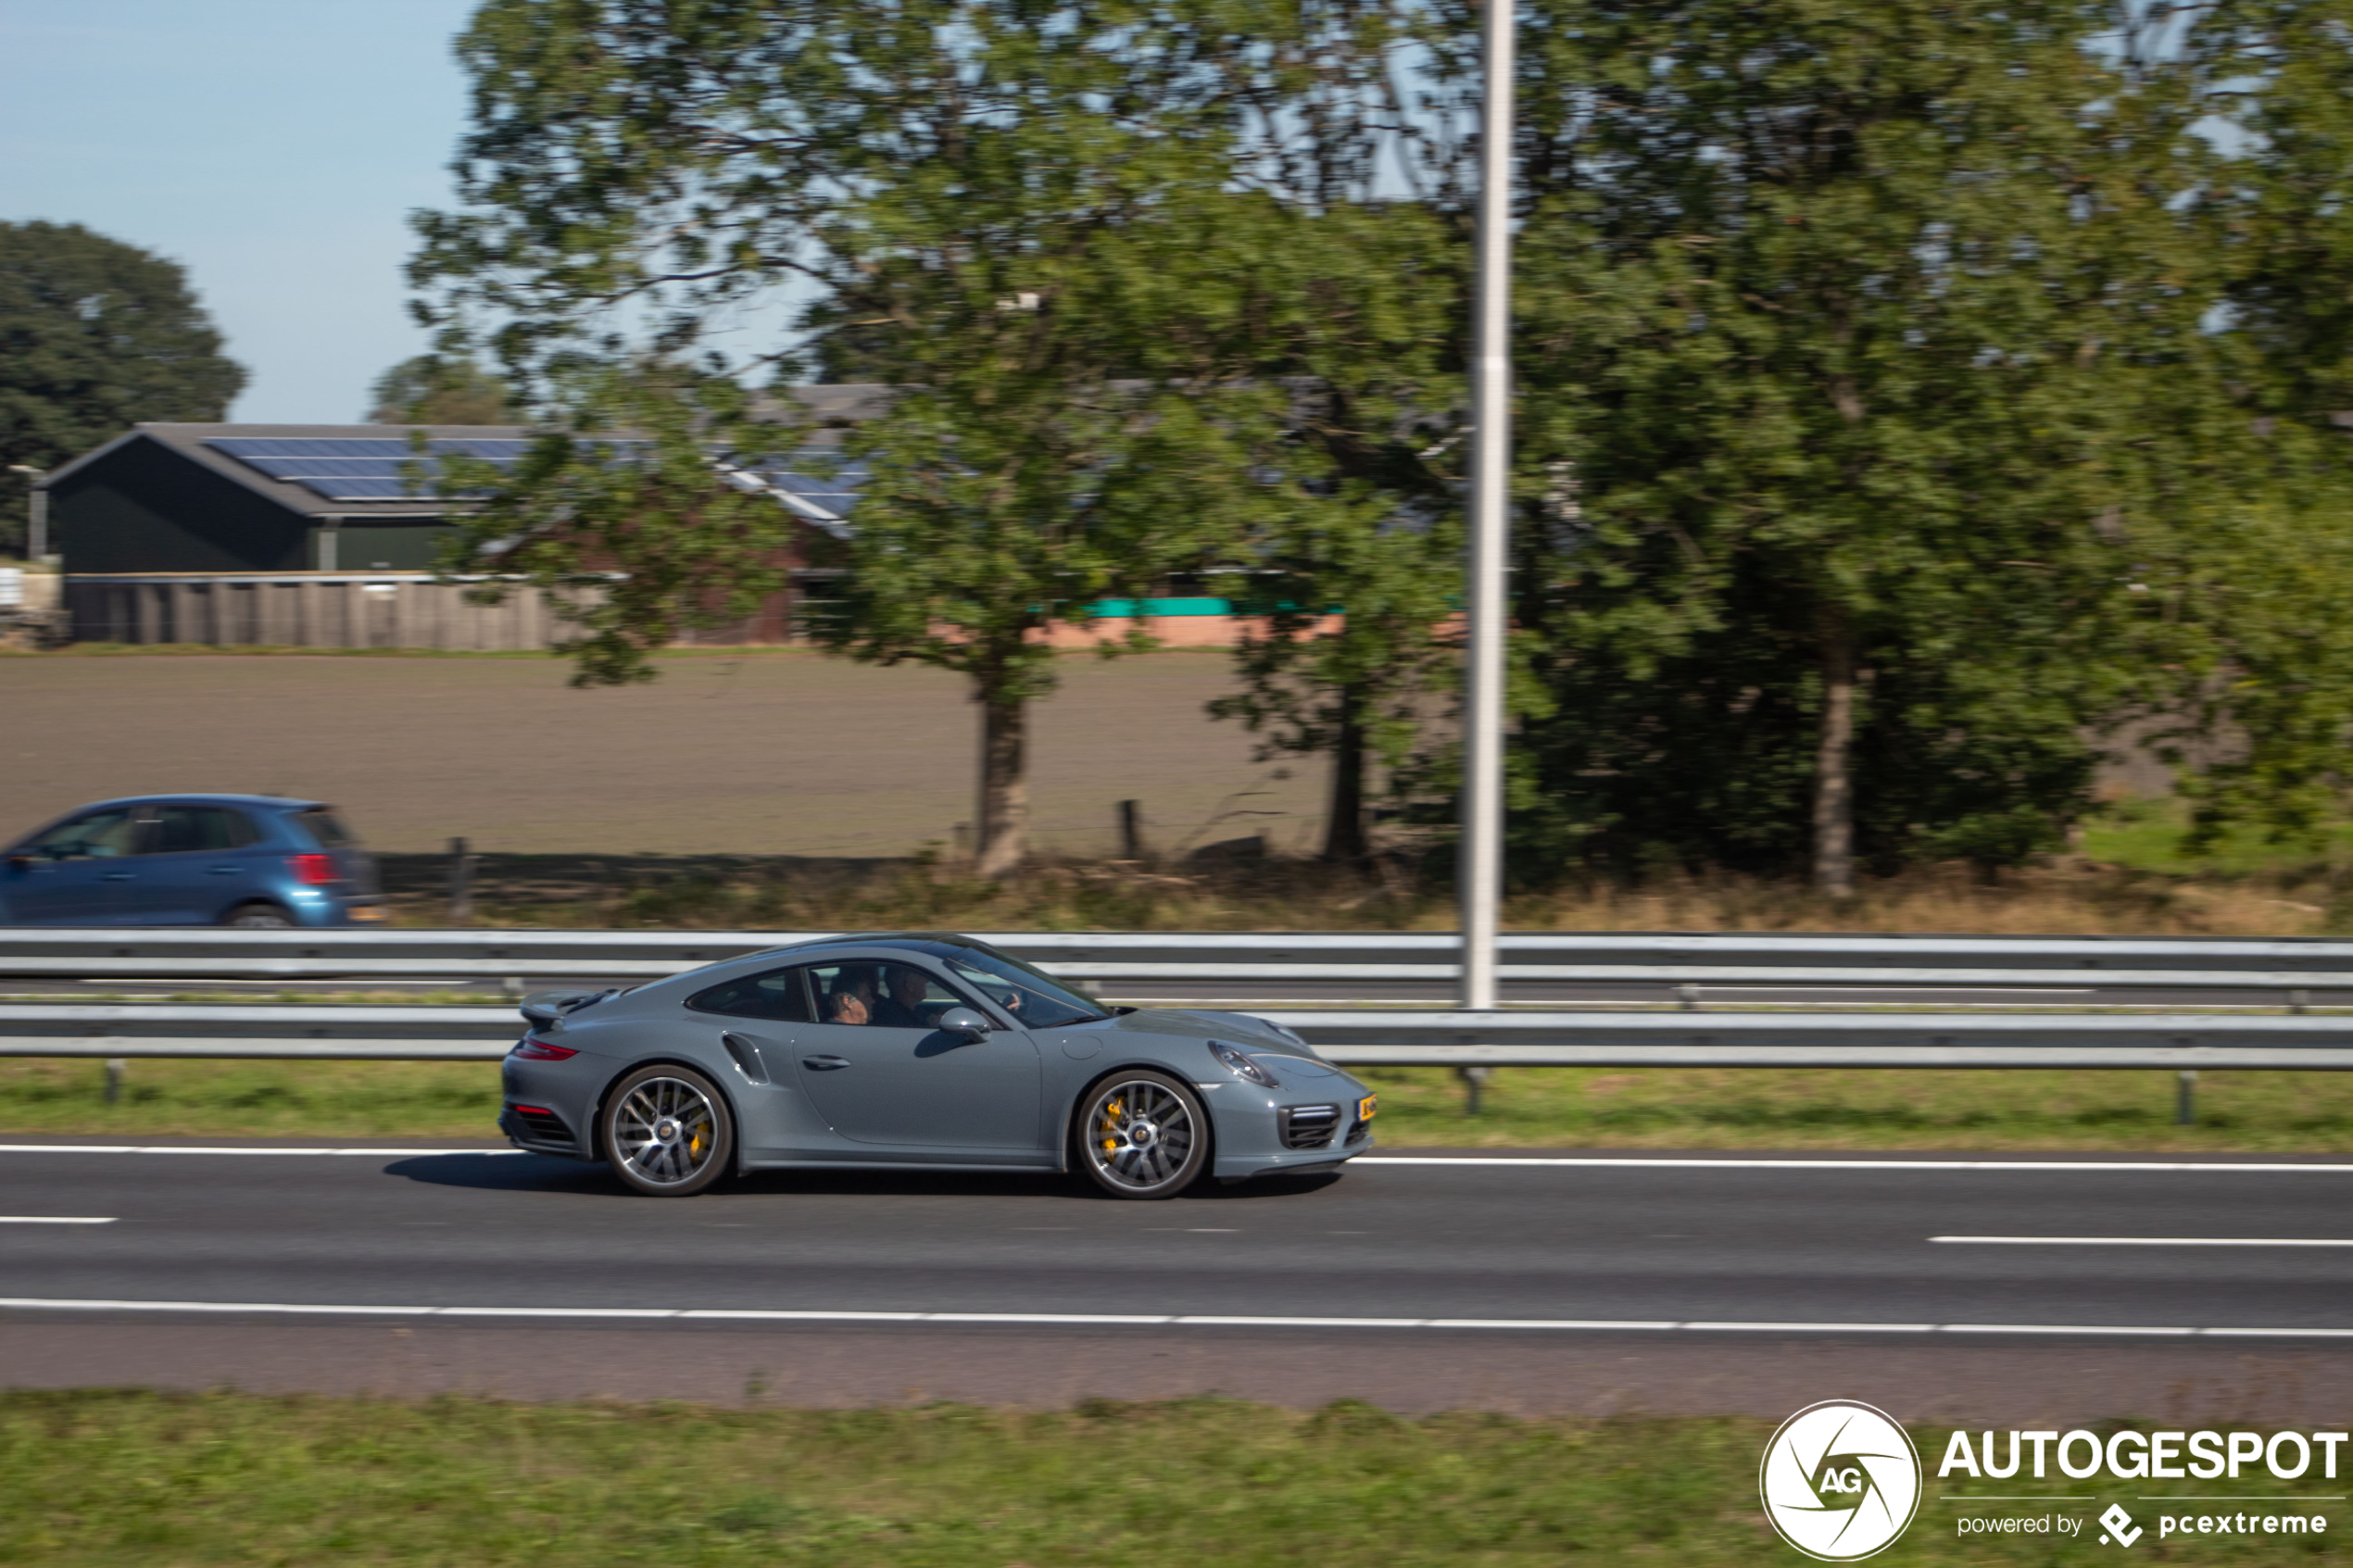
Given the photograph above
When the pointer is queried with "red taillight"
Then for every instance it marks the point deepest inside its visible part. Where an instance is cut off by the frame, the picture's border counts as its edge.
(530, 1050)
(313, 871)
(535, 1110)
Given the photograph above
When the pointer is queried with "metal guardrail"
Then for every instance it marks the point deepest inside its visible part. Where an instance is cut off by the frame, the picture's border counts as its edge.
(1529, 1038)
(1713, 959)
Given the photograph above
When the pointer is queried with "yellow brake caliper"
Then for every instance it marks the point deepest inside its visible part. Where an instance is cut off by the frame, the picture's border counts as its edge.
(1111, 1119)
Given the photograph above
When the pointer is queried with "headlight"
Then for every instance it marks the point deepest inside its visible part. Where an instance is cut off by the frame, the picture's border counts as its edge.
(1290, 1035)
(1241, 1064)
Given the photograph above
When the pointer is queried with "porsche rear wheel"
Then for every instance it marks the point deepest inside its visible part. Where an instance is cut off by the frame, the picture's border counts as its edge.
(1142, 1135)
(667, 1132)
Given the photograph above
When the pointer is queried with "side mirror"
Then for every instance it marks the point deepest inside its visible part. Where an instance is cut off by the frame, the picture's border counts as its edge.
(964, 1022)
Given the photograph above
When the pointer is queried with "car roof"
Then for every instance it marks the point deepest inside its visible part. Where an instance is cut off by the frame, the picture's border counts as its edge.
(936, 944)
(906, 941)
(272, 802)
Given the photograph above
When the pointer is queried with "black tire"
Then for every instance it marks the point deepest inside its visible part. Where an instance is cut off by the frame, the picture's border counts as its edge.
(1142, 1135)
(260, 917)
(667, 1132)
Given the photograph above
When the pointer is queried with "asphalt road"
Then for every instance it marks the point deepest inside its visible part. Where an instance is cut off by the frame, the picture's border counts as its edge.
(1423, 1284)
(1722, 1241)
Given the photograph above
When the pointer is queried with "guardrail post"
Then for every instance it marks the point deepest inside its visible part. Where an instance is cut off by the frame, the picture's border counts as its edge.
(1474, 1079)
(1689, 996)
(1131, 832)
(2299, 1002)
(2186, 1099)
(116, 1068)
(462, 879)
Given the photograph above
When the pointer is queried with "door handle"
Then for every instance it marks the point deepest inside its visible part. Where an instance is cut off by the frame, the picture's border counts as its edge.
(824, 1063)
(225, 871)
(119, 876)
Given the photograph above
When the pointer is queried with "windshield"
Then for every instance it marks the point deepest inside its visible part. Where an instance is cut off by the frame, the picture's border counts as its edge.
(1035, 999)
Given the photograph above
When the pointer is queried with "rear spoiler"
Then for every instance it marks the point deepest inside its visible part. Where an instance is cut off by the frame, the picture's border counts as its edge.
(546, 1008)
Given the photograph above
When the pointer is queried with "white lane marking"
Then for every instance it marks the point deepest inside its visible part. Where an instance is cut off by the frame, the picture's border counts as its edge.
(159, 1149)
(748, 1314)
(54, 1220)
(2343, 1168)
(2131, 1241)
(1539, 1163)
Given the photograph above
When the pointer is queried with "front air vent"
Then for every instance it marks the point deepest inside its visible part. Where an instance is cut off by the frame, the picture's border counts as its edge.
(1308, 1127)
(1358, 1132)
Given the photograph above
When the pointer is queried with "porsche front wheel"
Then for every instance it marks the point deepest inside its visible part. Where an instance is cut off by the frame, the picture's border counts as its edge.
(1142, 1135)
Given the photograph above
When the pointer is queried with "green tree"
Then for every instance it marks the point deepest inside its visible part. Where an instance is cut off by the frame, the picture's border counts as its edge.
(96, 336)
(2243, 605)
(667, 498)
(1028, 220)
(1355, 691)
(435, 389)
(1855, 347)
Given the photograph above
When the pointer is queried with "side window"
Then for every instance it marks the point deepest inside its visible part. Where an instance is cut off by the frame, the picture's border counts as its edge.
(847, 992)
(97, 835)
(887, 995)
(182, 830)
(777, 994)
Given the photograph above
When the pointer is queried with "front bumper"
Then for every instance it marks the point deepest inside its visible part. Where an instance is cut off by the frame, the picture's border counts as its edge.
(1260, 1135)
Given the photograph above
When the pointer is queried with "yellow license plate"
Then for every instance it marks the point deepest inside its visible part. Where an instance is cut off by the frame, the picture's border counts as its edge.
(1367, 1107)
(365, 912)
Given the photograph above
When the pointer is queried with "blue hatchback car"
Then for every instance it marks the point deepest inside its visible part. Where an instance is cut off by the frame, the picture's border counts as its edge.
(192, 860)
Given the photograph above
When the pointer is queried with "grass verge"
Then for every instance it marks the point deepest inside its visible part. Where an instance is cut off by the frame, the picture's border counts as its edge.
(1523, 1108)
(105, 1478)
(1241, 891)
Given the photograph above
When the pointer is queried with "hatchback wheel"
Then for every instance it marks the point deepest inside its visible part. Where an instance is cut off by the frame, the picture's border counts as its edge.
(667, 1132)
(1142, 1135)
(260, 917)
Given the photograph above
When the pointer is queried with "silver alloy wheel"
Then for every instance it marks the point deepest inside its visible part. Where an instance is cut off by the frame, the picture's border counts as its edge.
(665, 1130)
(1142, 1136)
(260, 917)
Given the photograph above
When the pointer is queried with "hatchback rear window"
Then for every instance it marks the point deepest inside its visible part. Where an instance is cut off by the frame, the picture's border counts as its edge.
(325, 828)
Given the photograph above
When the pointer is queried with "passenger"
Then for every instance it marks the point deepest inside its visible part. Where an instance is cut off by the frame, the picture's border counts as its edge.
(850, 999)
(900, 1008)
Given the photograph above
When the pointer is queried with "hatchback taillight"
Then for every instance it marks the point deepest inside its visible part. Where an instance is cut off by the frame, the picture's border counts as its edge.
(530, 1050)
(313, 871)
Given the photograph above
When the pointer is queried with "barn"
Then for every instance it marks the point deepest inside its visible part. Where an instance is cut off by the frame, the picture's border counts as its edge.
(318, 536)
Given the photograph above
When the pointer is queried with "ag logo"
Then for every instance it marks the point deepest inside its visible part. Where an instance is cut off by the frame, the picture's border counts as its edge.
(1840, 1480)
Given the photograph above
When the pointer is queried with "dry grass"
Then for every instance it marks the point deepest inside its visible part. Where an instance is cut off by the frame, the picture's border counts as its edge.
(779, 893)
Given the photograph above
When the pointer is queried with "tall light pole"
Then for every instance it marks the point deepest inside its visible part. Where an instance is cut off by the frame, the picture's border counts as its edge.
(1482, 874)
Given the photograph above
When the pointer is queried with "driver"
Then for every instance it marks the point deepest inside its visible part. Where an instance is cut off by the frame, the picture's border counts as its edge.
(904, 985)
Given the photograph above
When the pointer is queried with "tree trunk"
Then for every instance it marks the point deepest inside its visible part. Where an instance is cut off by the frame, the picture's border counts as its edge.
(1344, 831)
(1000, 826)
(1834, 779)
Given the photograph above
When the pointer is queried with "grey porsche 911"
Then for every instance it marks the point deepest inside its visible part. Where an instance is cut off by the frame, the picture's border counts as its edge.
(916, 1049)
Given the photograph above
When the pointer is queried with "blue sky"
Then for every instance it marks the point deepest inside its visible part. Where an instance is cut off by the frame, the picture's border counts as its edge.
(273, 147)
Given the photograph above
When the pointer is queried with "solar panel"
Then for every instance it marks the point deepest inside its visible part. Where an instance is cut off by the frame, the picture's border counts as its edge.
(837, 494)
(360, 468)
(386, 468)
